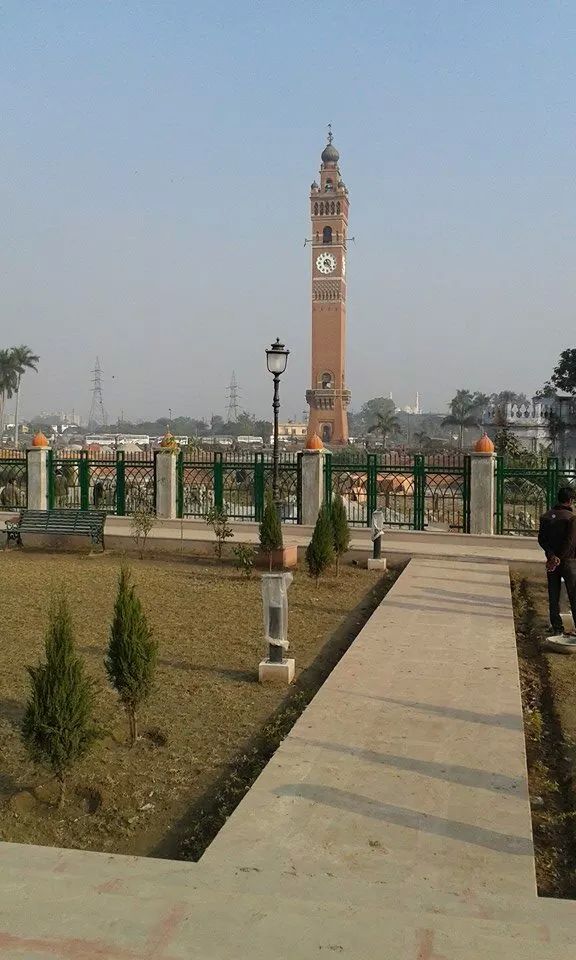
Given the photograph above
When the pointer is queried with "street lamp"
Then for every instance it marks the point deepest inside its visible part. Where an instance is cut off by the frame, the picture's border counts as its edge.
(276, 360)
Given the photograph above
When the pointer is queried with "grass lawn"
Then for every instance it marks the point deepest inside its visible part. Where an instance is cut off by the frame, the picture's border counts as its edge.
(206, 707)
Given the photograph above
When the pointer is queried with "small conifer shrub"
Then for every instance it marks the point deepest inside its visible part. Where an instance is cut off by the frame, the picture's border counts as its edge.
(320, 550)
(270, 530)
(132, 652)
(58, 728)
(340, 529)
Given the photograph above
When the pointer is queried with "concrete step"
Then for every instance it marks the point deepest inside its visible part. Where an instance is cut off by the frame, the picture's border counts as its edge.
(117, 885)
(223, 921)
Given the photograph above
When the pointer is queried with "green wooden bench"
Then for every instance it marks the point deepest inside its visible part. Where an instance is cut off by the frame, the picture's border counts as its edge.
(57, 523)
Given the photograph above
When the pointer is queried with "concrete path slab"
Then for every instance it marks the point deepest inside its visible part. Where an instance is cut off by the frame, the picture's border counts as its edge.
(414, 748)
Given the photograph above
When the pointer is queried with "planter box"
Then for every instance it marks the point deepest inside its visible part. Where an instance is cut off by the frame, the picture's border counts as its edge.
(284, 559)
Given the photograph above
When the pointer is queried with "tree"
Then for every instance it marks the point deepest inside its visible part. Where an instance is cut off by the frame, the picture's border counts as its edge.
(320, 550)
(387, 424)
(270, 530)
(507, 396)
(24, 360)
(370, 410)
(556, 432)
(547, 392)
(58, 729)
(564, 376)
(218, 520)
(7, 382)
(462, 412)
(340, 529)
(132, 652)
(480, 401)
(506, 444)
(421, 440)
(141, 525)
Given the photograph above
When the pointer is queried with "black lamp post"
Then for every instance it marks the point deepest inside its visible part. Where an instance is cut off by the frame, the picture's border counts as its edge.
(276, 360)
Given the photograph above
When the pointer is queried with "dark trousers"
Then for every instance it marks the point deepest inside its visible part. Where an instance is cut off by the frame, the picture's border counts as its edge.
(565, 572)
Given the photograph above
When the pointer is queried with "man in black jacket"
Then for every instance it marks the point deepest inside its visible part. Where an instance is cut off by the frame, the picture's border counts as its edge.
(557, 537)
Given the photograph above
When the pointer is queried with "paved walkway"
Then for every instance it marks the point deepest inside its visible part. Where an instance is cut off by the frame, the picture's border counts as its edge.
(392, 823)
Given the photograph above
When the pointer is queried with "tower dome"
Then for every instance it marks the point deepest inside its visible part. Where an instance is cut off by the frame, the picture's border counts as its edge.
(330, 153)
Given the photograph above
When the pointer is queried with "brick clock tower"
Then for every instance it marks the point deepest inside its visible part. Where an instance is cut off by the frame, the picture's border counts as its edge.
(328, 397)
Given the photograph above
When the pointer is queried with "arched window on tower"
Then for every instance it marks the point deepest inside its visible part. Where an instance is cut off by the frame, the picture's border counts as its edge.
(315, 209)
(327, 235)
(321, 209)
(332, 208)
(326, 381)
(338, 207)
(329, 185)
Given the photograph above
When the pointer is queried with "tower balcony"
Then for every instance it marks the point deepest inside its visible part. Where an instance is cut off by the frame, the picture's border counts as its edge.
(327, 398)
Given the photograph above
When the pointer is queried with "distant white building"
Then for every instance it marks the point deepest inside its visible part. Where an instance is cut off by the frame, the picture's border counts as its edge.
(530, 422)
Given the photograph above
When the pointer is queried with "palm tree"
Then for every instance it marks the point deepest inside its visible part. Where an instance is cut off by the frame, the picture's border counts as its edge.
(23, 360)
(386, 424)
(462, 413)
(7, 383)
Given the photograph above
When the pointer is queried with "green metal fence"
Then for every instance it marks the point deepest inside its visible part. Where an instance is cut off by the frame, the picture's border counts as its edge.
(118, 482)
(525, 492)
(413, 492)
(237, 484)
(13, 481)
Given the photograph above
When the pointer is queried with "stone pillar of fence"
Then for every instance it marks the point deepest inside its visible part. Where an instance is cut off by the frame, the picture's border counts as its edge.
(312, 483)
(166, 484)
(482, 487)
(38, 478)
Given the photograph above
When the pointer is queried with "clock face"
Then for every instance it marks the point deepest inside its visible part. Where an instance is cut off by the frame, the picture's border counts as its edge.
(326, 263)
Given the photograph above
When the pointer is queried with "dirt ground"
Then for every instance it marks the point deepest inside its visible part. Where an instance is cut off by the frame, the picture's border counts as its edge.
(207, 704)
(549, 700)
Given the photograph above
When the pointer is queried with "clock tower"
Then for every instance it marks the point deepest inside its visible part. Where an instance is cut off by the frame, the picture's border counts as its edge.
(328, 397)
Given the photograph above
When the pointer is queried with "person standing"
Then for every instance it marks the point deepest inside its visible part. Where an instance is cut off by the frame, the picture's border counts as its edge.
(557, 537)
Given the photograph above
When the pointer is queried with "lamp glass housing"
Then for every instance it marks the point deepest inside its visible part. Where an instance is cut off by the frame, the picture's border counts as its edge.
(277, 358)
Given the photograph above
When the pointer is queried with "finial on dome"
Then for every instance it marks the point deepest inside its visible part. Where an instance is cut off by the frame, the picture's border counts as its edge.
(330, 153)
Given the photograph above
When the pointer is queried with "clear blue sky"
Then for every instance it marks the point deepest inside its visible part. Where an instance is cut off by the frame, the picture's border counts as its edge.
(157, 158)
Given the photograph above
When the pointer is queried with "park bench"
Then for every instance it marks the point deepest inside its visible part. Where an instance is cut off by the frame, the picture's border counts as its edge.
(57, 523)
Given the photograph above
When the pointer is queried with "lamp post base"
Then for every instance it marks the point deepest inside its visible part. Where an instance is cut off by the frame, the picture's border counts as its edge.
(283, 672)
(376, 563)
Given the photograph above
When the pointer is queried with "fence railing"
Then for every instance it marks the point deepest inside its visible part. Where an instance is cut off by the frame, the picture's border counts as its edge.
(13, 480)
(119, 483)
(525, 492)
(413, 492)
(237, 484)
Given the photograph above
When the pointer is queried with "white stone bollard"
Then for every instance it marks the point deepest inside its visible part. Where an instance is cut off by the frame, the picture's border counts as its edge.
(166, 481)
(312, 485)
(482, 489)
(38, 478)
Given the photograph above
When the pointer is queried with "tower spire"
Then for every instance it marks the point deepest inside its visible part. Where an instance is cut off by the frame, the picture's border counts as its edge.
(330, 135)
